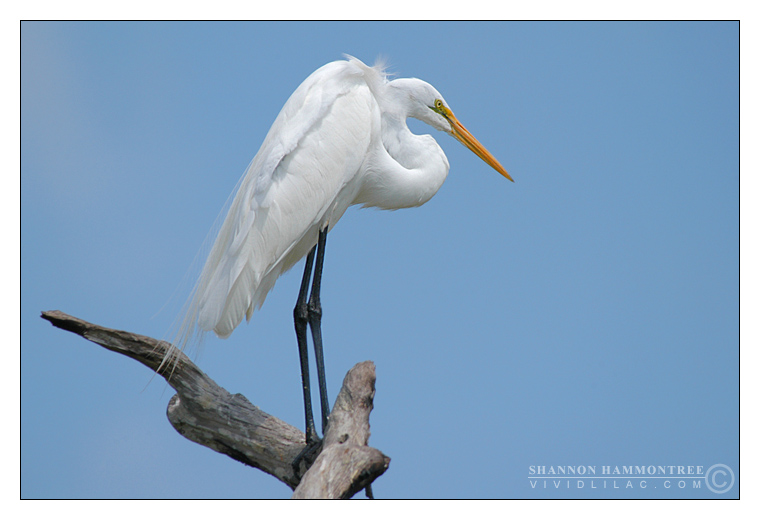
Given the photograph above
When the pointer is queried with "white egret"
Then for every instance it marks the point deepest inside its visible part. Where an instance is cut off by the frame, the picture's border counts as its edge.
(341, 139)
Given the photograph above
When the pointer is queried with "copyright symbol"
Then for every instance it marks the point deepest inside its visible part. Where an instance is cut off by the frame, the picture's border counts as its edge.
(719, 478)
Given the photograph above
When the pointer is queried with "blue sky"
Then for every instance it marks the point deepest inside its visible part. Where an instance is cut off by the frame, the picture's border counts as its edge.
(585, 315)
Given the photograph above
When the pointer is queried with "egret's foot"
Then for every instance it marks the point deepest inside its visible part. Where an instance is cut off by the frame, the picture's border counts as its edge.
(308, 455)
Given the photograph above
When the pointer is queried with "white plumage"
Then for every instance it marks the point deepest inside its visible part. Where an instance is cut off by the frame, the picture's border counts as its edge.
(341, 139)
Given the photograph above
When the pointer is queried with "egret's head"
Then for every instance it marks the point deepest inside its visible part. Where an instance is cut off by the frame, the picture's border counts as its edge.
(422, 101)
(418, 99)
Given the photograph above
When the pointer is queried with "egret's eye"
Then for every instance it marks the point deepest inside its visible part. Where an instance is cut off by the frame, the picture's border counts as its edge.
(439, 107)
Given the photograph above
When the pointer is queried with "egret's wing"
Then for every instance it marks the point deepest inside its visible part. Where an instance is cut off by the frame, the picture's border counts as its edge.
(285, 191)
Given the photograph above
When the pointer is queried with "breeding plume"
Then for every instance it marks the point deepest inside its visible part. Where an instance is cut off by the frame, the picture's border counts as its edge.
(341, 139)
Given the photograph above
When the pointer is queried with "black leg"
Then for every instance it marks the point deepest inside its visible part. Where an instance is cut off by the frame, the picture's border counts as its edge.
(300, 316)
(315, 322)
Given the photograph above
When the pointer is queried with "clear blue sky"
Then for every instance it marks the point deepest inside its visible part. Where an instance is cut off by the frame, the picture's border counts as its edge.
(587, 314)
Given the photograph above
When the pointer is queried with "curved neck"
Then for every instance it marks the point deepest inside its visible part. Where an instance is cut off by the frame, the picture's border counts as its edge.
(406, 171)
(408, 149)
(402, 145)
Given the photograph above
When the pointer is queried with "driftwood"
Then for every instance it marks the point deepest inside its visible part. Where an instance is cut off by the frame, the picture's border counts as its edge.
(207, 414)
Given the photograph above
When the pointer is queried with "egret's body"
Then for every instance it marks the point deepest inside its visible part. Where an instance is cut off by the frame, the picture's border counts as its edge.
(341, 139)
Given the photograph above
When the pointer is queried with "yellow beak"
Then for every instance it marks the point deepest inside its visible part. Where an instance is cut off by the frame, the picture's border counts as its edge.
(466, 138)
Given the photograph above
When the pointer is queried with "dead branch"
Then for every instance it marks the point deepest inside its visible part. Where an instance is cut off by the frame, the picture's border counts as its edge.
(207, 414)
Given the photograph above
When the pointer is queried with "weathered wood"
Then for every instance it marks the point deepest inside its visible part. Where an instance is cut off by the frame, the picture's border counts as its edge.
(346, 464)
(207, 414)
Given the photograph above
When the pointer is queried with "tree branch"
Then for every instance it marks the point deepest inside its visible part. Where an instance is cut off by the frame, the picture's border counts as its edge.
(207, 414)
(346, 464)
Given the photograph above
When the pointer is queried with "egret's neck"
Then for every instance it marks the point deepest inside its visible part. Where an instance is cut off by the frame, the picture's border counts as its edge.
(410, 150)
(407, 170)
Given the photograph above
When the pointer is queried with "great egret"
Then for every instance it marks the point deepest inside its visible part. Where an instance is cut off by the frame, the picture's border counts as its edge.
(341, 139)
